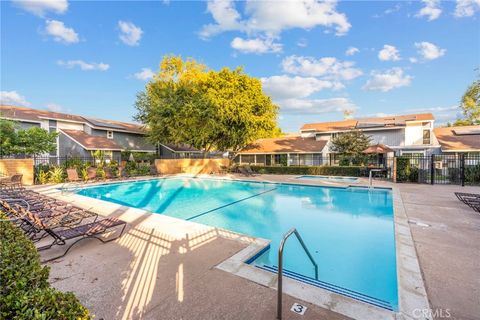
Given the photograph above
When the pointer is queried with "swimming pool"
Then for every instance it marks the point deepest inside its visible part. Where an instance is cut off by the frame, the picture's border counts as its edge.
(329, 178)
(349, 231)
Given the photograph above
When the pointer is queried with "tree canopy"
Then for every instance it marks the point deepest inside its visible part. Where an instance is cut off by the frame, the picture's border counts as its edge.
(470, 105)
(186, 103)
(350, 143)
(31, 141)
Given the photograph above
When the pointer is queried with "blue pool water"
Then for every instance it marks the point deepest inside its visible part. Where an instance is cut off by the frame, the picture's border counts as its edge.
(329, 178)
(349, 231)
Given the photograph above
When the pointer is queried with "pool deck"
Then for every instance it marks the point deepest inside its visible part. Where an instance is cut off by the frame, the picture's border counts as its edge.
(165, 268)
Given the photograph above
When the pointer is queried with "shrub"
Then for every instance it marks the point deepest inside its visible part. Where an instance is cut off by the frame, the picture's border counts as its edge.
(319, 170)
(57, 175)
(403, 169)
(100, 172)
(42, 177)
(84, 174)
(472, 174)
(24, 289)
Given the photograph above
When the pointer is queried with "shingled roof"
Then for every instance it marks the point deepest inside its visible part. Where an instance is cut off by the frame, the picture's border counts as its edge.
(459, 139)
(365, 123)
(90, 142)
(36, 115)
(289, 144)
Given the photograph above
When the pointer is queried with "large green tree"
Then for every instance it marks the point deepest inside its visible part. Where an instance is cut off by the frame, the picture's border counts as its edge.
(8, 137)
(470, 105)
(186, 103)
(350, 143)
(31, 141)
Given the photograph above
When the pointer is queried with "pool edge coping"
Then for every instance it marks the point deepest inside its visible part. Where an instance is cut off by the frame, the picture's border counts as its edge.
(411, 290)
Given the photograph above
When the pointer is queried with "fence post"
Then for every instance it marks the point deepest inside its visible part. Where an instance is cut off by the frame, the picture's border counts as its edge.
(394, 173)
(462, 168)
(432, 169)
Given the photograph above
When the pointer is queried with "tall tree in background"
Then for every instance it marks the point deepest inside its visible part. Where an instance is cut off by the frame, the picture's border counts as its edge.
(186, 103)
(350, 143)
(8, 137)
(470, 105)
(31, 141)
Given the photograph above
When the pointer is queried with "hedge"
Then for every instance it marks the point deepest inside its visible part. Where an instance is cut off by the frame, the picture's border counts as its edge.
(351, 171)
(24, 289)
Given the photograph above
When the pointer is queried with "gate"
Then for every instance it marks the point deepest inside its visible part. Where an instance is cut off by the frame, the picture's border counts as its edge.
(462, 169)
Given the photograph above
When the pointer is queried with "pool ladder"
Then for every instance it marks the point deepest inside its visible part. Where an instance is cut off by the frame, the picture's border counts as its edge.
(280, 266)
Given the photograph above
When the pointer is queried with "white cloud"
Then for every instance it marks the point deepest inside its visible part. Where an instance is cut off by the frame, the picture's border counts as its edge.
(285, 87)
(263, 17)
(328, 67)
(413, 60)
(145, 74)
(351, 51)
(130, 34)
(316, 106)
(429, 51)
(54, 107)
(431, 10)
(388, 80)
(256, 45)
(466, 8)
(13, 98)
(60, 32)
(302, 42)
(83, 65)
(41, 7)
(388, 11)
(389, 53)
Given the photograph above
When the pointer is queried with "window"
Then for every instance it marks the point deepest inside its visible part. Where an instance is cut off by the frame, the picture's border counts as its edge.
(426, 136)
(110, 134)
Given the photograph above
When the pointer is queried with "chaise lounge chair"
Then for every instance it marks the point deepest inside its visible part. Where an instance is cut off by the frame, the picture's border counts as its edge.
(250, 171)
(72, 175)
(470, 199)
(60, 237)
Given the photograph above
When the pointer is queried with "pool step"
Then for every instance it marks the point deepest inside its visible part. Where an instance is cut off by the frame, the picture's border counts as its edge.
(331, 287)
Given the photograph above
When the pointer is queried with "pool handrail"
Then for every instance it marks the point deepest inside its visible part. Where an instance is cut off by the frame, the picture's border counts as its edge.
(280, 266)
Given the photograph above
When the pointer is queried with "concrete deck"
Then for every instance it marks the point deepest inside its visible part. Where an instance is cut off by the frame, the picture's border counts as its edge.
(156, 271)
(448, 249)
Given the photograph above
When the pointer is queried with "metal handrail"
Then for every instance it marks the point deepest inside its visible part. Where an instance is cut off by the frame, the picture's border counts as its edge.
(370, 175)
(280, 266)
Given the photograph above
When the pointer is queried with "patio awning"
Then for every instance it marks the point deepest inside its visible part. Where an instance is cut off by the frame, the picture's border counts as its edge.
(378, 148)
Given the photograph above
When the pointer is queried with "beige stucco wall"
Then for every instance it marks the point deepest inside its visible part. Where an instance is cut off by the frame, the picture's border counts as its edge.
(10, 167)
(193, 166)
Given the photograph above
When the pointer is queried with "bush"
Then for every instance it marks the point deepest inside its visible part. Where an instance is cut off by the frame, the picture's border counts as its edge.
(403, 169)
(472, 174)
(57, 175)
(320, 170)
(24, 289)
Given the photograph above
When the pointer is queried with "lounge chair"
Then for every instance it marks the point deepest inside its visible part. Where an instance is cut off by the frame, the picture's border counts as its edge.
(109, 173)
(223, 170)
(467, 196)
(92, 173)
(250, 171)
(56, 217)
(72, 175)
(470, 199)
(243, 171)
(154, 171)
(13, 182)
(60, 237)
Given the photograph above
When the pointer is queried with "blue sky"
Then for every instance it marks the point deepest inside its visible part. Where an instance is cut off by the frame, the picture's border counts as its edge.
(317, 60)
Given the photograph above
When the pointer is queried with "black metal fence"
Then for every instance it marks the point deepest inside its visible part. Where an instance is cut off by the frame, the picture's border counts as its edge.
(71, 160)
(462, 169)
